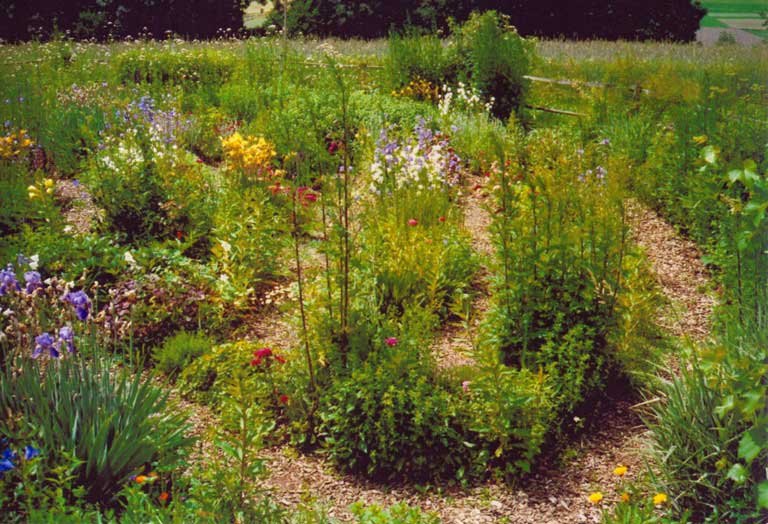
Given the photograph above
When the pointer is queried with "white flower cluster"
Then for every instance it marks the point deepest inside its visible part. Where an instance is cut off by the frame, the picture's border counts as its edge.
(466, 99)
(424, 163)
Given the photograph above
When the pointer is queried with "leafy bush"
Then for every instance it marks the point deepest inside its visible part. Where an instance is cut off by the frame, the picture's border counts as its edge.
(178, 351)
(388, 420)
(497, 59)
(115, 425)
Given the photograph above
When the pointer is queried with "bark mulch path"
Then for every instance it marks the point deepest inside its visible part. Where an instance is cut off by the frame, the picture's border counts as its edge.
(676, 261)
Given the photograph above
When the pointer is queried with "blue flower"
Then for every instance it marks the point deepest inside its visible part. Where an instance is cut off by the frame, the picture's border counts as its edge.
(44, 342)
(80, 301)
(33, 280)
(67, 339)
(30, 452)
(8, 280)
(6, 458)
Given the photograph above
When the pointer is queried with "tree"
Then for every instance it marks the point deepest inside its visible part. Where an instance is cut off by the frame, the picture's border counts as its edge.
(675, 20)
(26, 19)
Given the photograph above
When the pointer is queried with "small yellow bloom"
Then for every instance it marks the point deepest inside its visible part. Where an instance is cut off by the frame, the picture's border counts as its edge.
(625, 497)
(595, 497)
(48, 183)
(49, 190)
(659, 498)
(700, 140)
(620, 471)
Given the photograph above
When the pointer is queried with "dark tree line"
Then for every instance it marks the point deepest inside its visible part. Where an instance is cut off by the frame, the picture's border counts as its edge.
(675, 20)
(102, 19)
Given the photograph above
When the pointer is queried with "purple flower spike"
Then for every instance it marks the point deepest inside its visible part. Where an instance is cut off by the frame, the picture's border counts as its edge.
(66, 339)
(8, 280)
(44, 342)
(81, 303)
(34, 281)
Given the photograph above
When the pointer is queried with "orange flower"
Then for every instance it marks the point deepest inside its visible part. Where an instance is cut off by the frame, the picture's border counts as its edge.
(625, 497)
(164, 497)
(141, 479)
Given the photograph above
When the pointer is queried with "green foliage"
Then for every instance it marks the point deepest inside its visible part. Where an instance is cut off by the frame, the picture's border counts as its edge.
(178, 351)
(114, 424)
(497, 59)
(511, 412)
(389, 419)
(413, 56)
(396, 514)
(709, 433)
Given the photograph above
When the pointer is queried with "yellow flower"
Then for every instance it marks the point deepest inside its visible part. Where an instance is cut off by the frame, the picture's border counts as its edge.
(595, 497)
(659, 498)
(700, 140)
(48, 183)
(620, 471)
(625, 497)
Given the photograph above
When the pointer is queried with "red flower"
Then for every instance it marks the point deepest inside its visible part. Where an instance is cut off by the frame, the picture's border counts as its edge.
(199, 160)
(413, 222)
(256, 361)
(391, 341)
(441, 219)
(262, 353)
(283, 399)
(280, 359)
(179, 234)
(164, 497)
(333, 147)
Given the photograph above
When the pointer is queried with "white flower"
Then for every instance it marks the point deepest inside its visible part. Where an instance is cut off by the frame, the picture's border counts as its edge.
(34, 261)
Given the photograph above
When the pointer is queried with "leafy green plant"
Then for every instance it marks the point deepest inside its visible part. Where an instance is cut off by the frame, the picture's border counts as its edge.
(116, 425)
(396, 514)
(179, 350)
(388, 419)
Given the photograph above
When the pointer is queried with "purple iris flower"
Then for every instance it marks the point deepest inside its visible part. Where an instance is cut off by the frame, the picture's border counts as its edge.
(44, 342)
(34, 281)
(605, 142)
(81, 303)
(8, 280)
(6, 458)
(30, 452)
(66, 339)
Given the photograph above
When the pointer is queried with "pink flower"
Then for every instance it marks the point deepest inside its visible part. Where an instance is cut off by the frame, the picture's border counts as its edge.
(263, 352)
(413, 222)
(465, 386)
(391, 341)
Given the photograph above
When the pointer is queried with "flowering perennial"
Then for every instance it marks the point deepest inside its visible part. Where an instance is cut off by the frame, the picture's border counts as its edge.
(425, 162)
(250, 156)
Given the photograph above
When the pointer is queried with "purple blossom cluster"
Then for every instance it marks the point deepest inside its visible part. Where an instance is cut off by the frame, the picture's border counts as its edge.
(425, 161)
(64, 339)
